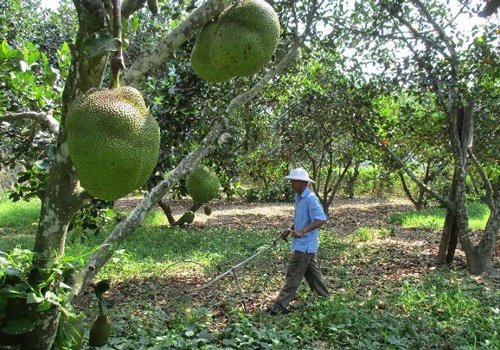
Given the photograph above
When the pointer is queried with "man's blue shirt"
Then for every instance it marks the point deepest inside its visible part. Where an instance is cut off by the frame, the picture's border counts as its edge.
(307, 209)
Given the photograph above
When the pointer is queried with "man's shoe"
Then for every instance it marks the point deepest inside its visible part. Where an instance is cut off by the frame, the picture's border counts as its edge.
(275, 309)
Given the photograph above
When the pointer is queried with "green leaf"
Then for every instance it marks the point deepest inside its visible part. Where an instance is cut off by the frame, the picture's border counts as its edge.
(18, 326)
(189, 333)
(98, 44)
(43, 164)
(32, 298)
(6, 52)
(44, 306)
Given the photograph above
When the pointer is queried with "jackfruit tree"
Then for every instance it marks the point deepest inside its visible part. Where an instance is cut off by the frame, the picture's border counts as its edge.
(239, 43)
(69, 185)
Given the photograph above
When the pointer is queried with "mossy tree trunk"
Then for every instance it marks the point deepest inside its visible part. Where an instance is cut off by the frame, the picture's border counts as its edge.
(456, 228)
(62, 196)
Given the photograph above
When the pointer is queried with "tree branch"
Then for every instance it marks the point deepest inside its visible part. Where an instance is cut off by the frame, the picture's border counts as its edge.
(487, 184)
(490, 8)
(407, 170)
(152, 59)
(42, 117)
(437, 28)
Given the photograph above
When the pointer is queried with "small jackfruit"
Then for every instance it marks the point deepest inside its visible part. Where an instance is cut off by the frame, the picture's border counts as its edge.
(202, 184)
(100, 331)
(113, 142)
(188, 216)
(207, 209)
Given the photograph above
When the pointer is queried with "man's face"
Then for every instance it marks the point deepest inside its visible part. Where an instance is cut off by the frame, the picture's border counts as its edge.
(298, 186)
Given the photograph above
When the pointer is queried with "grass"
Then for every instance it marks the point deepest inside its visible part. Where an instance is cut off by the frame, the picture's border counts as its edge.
(434, 218)
(385, 295)
(18, 223)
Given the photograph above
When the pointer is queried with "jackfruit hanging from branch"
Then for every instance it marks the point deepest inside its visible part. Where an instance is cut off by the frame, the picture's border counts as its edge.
(239, 43)
(202, 184)
(113, 141)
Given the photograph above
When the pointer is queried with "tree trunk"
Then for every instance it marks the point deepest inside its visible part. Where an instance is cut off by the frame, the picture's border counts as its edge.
(449, 236)
(58, 207)
(453, 242)
(406, 190)
(480, 257)
(456, 227)
(351, 182)
(62, 196)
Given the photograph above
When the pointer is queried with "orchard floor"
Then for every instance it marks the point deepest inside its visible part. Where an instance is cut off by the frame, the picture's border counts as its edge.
(405, 255)
(345, 215)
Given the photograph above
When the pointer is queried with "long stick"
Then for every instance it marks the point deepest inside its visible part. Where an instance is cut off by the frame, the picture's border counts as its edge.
(240, 264)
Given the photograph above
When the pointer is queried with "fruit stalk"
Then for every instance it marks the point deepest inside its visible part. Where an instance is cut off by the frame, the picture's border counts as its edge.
(117, 63)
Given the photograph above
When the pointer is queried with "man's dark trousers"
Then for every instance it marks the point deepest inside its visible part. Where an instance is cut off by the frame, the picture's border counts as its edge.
(301, 265)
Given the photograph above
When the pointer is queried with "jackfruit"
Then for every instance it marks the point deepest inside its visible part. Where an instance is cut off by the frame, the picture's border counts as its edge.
(113, 142)
(202, 184)
(100, 331)
(208, 210)
(246, 37)
(239, 43)
(188, 217)
(200, 61)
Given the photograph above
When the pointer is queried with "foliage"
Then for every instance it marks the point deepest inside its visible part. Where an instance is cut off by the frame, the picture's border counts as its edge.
(92, 218)
(17, 294)
(35, 57)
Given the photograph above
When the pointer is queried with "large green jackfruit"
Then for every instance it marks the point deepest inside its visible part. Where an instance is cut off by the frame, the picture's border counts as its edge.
(202, 184)
(200, 61)
(246, 37)
(113, 142)
(239, 43)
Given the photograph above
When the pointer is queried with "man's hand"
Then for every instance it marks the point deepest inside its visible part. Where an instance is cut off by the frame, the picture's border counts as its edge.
(298, 233)
(285, 234)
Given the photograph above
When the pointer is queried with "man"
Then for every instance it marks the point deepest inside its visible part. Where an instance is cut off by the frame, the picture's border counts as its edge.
(308, 217)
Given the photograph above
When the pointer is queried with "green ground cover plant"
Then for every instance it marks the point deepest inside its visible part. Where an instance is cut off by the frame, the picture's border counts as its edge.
(18, 222)
(433, 218)
(386, 291)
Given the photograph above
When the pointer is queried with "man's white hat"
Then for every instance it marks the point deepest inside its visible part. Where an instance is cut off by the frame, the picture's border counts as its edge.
(299, 174)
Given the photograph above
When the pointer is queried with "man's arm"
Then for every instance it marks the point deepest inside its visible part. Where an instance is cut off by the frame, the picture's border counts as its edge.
(313, 225)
